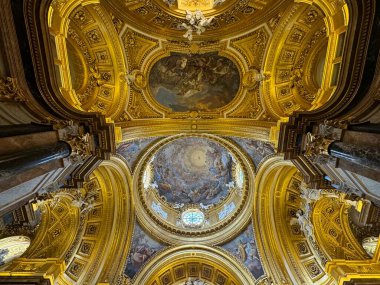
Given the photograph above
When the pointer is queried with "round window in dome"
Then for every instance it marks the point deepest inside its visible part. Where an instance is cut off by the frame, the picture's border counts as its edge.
(193, 218)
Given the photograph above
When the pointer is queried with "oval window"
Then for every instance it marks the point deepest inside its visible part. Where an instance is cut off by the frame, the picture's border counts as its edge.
(193, 218)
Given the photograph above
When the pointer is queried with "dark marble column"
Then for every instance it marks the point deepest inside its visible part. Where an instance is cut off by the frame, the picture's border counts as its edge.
(23, 129)
(362, 155)
(365, 128)
(16, 163)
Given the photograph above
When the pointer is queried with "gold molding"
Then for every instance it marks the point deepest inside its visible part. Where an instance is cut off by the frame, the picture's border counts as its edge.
(227, 127)
(50, 268)
(349, 270)
(286, 254)
(332, 230)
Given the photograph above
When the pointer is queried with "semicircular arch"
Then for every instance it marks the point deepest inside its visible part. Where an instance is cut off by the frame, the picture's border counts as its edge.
(179, 263)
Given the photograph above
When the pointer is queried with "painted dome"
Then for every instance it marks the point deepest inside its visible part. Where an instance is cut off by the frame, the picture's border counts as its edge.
(192, 185)
(193, 170)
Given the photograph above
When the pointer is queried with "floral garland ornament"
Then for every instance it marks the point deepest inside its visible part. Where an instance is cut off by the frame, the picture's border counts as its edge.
(196, 23)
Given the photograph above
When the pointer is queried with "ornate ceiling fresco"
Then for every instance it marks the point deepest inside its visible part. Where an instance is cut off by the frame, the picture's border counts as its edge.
(131, 150)
(131, 62)
(244, 248)
(194, 82)
(253, 63)
(257, 150)
(143, 247)
(194, 186)
(193, 171)
(12, 247)
(195, 189)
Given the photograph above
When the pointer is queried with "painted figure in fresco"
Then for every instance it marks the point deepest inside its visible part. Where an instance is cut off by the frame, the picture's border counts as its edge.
(193, 170)
(194, 82)
(3, 253)
(244, 248)
(257, 150)
(130, 150)
(261, 148)
(143, 247)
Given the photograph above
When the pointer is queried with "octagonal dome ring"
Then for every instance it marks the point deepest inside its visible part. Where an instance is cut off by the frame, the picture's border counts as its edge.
(194, 187)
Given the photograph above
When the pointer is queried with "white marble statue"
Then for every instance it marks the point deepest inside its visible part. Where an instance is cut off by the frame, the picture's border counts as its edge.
(197, 23)
(305, 224)
(192, 281)
(370, 244)
(78, 203)
(310, 195)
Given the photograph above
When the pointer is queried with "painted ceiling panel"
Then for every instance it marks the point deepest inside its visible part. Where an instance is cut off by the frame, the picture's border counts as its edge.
(143, 247)
(193, 170)
(131, 150)
(256, 150)
(196, 82)
(244, 248)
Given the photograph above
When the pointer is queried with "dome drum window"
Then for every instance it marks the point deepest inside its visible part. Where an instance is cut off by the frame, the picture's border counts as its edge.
(193, 218)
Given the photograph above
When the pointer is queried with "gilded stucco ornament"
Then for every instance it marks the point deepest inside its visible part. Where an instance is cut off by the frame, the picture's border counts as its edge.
(80, 142)
(137, 79)
(140, 111)
(10, 91)
(317, 145)
(253, 77)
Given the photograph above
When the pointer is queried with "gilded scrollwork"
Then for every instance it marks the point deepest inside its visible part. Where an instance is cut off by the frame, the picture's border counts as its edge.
(10, 91)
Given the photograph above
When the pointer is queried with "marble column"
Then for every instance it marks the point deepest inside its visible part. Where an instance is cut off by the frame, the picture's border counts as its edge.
(23, 129)
(361, 155)
(16, 163)
(365, 128)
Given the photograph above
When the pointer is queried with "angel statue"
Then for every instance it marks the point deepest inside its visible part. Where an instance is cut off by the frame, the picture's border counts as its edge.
(310, 195)
(305, 224)
(189, 32)
(196, 23)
